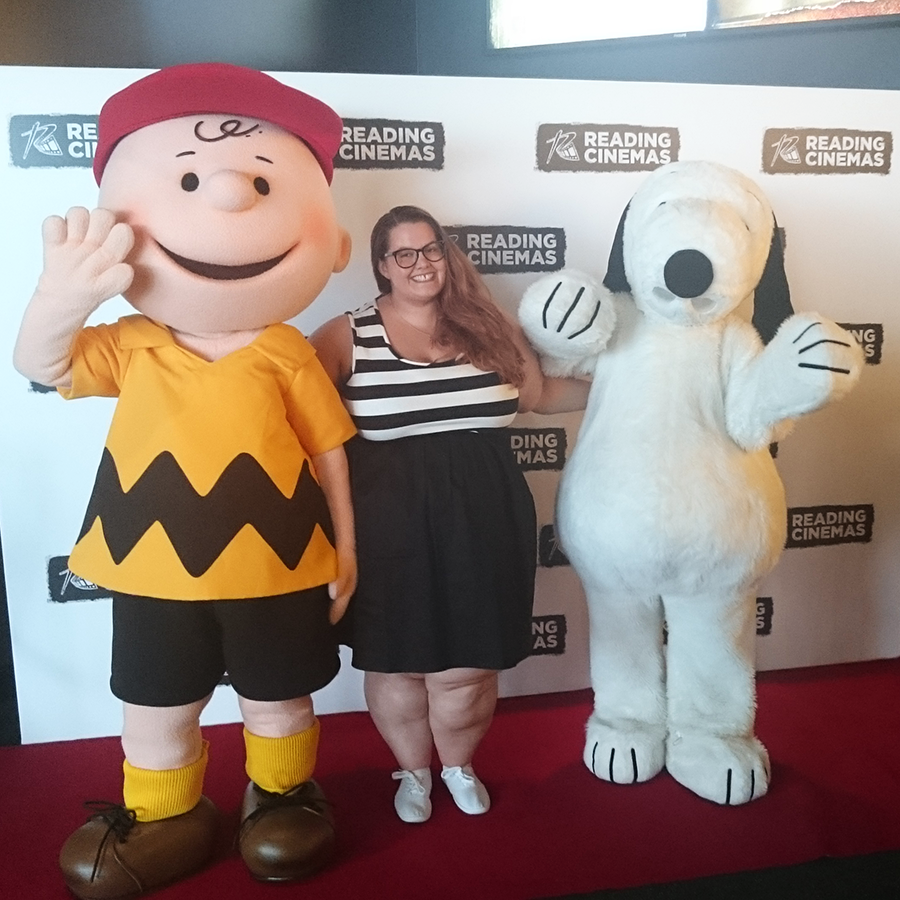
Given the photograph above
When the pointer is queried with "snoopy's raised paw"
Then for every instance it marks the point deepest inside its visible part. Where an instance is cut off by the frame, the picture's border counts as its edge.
(568, 318)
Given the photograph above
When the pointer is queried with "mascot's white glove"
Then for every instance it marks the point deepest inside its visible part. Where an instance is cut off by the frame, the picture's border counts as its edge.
(83, 267)
(568, 318)
(810, 362)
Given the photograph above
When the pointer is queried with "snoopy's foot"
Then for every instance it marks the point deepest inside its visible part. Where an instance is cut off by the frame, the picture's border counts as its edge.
(626, 754)
(726, 770)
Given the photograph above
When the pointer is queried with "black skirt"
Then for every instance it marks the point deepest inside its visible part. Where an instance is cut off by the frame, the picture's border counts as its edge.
(446, 541)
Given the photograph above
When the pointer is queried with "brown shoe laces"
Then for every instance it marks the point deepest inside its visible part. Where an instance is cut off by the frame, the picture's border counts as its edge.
(119, 821)
(299, 796)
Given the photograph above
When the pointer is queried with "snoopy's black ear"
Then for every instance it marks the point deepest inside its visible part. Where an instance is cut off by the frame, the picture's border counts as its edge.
(772, 302)
(616, 280)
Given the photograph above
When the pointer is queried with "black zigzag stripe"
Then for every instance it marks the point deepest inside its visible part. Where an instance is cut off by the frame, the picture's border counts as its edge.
(200, 527)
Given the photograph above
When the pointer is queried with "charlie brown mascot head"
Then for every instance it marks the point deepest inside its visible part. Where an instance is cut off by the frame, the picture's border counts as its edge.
(232, 215)
(220, 519)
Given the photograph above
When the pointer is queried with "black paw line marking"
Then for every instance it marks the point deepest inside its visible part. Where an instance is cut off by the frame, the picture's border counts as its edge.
(612, 757)
(565, 318)
(816, 344)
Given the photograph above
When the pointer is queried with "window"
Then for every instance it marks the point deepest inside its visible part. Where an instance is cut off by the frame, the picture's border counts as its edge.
(732, 13)
(523, 23)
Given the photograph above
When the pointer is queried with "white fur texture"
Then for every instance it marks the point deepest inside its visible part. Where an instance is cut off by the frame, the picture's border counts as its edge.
(568, 318)
(670, 508)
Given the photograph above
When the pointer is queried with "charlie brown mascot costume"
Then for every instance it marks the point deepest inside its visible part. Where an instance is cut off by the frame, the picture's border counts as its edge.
(220, 519)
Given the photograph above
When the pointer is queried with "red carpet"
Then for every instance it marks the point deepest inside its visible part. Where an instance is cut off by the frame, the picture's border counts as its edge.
(833, 734)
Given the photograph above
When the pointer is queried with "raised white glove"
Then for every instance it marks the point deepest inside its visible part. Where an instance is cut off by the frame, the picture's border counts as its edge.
(568, 318)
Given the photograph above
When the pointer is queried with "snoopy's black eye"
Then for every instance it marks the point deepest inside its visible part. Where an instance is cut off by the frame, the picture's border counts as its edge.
(261, 185)
(190, 182)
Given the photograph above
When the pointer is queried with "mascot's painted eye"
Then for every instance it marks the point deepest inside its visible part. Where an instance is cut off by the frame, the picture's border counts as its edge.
(261, 185)
(190, 182)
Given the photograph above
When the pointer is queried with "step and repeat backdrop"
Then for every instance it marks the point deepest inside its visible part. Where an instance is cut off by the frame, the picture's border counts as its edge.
(529, 176)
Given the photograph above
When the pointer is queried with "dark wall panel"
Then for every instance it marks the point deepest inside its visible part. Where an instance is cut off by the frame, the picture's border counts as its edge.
(281, 35)
(453, 40)
(428, 37)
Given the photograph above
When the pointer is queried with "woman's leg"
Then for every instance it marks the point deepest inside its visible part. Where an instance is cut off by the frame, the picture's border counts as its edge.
(398, 704)
(461, 705)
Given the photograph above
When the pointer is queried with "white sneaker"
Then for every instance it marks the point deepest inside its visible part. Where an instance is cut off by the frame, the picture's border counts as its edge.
(413, 798)
(469, 794)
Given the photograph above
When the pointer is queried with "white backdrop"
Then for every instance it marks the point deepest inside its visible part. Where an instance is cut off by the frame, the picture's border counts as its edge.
(832, 598)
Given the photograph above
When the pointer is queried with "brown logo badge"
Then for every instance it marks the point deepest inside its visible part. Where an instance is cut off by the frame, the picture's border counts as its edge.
(511, 248)
(816, 526)
(826, 151)
(52, 141)
(604, 148)
(390, 144)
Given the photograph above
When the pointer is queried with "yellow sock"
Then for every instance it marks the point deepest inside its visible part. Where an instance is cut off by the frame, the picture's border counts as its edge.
(279, 764)
(155, 795)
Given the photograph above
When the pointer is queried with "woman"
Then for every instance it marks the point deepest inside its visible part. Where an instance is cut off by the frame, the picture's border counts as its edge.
(431, 372)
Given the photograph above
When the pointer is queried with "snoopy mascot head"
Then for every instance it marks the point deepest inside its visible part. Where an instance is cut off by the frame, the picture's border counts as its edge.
(700, 239)
(670, 508)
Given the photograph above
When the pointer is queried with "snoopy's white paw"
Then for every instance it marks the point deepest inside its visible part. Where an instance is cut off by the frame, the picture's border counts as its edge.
(726, 770)
(568, 318)
(624, 755)
(813, 361)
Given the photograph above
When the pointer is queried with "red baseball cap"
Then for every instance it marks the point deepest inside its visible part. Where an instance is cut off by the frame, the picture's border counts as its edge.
(197, 88)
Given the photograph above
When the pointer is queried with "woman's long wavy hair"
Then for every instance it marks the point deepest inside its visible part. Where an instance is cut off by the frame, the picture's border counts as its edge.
(467, 320)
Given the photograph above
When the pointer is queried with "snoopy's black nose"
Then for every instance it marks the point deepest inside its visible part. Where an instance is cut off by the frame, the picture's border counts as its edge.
(688, 273)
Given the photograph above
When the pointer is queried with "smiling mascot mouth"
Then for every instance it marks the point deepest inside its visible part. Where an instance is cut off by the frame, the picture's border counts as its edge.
(220, 272)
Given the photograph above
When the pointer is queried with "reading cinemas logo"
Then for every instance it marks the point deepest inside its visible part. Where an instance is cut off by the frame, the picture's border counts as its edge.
(604, 148)
(548, 635)
(765, 609)
(550, 553)
(826, 151)
(536, 449)
(390, 144)
(818, 526)
(870, 338)
(65, 586)
(496, 249)
(52, 141)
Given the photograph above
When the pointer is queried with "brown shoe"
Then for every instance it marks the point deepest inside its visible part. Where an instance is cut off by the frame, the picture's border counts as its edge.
(286, 837)
(114, 856)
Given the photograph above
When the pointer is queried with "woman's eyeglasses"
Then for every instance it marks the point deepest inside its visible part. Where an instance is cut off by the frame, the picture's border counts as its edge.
(407, 257)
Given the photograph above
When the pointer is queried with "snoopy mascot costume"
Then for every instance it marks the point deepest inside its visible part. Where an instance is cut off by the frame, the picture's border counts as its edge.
(670, 508)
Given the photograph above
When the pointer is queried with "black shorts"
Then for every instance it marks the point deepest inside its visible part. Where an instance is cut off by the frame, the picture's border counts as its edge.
(175, 652)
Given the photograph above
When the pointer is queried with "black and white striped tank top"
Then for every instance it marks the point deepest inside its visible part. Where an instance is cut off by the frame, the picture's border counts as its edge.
(391, 397)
